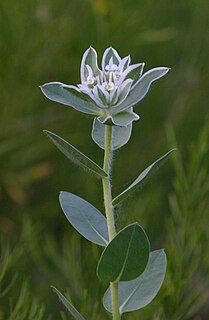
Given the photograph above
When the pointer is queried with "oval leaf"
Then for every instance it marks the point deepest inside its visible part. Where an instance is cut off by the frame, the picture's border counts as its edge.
(85, 218)
(138, 293)
(126, 256)
(75, 155)
(76, 315)
(70, 96)
(120, 135)
(141, 179)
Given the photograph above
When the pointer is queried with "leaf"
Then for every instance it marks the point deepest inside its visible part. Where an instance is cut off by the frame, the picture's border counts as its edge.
(108, 54)
(90, 59)
(122, 119)
(125, 88)
(120, 135)
(126, 256)
(141, 179)
(85, 218)
(70, 96)
(75, 155)
(133, 72)
(138, 293)
(76, 315)
(140, 88)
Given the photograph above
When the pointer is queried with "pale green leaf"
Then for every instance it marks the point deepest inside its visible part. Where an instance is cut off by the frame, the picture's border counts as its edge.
(90, 59)
(122, 119)
(140, 88)
(108, 54)
(70, 96)
(120, 135)
(140, 179)
(75, 155)
(134, 72)
(85, 218)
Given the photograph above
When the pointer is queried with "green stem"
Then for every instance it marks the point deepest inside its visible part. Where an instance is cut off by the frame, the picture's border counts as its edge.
(109, 212)
(107, 184)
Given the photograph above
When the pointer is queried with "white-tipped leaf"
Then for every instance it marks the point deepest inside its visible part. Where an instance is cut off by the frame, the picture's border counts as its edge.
(141, 87)
(122, 119)
(89, 59)
(141, 179)
(85, 218)
(133, 72)
(108, 54)
(72, 310)
(70, 96)
(124, 89)
(75, 155)
(138, 293)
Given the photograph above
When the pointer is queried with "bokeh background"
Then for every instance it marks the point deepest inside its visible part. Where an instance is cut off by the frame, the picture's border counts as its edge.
(42, 41)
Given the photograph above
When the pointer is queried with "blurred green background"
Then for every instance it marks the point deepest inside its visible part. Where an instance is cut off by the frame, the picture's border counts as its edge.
(42, 41)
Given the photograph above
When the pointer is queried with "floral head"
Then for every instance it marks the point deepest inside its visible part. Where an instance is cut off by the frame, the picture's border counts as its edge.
(109, 93)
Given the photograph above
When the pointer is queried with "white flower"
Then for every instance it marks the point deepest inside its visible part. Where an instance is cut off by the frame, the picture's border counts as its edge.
(111, 85)
(108, 93)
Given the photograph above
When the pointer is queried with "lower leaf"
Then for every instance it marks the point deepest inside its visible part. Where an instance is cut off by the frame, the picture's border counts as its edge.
(85, 218)
(138, 293)
(126, 256)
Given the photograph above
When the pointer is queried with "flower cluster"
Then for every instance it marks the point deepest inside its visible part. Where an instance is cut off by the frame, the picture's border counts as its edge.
(111, 85)
(108, 93)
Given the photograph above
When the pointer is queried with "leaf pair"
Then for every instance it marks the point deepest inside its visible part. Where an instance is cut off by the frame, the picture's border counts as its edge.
(134, 294)
(125, 257)
(120, 136)
(138, 293)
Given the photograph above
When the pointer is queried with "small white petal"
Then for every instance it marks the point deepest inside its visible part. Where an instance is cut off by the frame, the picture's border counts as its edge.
(110, 86)
(70, 87)
(84, 88)
(90, 71)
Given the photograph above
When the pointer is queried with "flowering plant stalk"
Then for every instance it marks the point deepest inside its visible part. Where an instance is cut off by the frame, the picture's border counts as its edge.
(134, 272)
